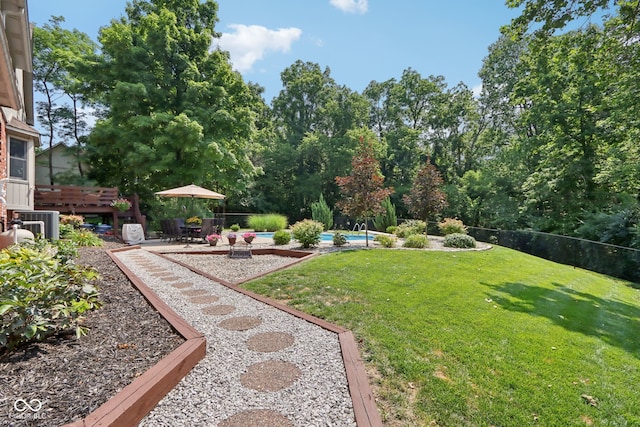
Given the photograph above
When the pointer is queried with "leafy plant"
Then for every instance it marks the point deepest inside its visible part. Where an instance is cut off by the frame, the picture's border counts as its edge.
(235, 227)
(307, 232)
(386, 241)
(195, 220)
(320, 212)
(267, 222)
(452, 225)
(84, 238)
(121, 204)
(339, 239)
(42, 295)
(392, 229)
(426, 197)
(74, 221)
(281, 237)
(416, 241)
(386, 219)
(458, 240)
(410, 227)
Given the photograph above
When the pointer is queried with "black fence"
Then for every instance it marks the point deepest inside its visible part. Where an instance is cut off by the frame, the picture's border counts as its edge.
(616, 261)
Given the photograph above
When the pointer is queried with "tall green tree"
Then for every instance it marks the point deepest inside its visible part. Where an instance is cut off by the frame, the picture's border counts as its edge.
(363, 192)
(315, 121)
(176, 113)
(57, 56)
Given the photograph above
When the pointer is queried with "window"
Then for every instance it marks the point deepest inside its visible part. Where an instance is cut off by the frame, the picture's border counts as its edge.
(17, 159)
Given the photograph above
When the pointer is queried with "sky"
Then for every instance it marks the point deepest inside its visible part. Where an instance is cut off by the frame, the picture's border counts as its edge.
(358, 40)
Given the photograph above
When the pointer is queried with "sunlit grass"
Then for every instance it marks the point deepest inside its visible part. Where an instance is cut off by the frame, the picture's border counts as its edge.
(479, 338)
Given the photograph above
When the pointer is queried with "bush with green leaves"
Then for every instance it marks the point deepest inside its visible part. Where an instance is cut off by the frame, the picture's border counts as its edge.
(392, 229)
(416, 241)
(267, 222)
(458, 240)
(307, 232)
(387, 219)
(411, 227)
(339, 239)
(452, 225)
(235, 228)
(320, 212)
(84, 238)
(385, 240)
(41, 295)
(281, 237)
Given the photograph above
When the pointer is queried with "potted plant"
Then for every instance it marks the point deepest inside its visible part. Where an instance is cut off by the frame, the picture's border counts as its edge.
(248, 236)
(194, 220)
(213, 239)
(232, 238)
(121, 204)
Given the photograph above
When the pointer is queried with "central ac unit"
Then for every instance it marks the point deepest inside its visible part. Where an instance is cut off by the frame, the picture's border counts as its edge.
(51, 221)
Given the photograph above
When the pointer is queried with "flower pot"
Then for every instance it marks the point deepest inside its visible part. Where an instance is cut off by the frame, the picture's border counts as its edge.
(232, 241)
(213, 242)
(248, 239)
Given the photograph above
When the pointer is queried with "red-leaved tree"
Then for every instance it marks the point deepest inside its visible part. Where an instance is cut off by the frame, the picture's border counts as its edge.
(363, 191)
(425, 197)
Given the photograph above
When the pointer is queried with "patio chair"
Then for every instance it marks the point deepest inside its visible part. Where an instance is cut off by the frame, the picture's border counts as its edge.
(208, 227)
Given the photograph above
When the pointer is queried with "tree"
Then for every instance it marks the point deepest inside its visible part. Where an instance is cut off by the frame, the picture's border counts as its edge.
(58, 54)
(315, 120)
(426, 198)
(176, 112)
(363, 191)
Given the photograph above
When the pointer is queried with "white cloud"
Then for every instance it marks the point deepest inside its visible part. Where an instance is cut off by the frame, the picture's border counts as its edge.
(249, 43)
(477, 90)
(351, 6)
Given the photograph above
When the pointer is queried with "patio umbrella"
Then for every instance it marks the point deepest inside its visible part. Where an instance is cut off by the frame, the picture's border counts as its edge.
(193, 191)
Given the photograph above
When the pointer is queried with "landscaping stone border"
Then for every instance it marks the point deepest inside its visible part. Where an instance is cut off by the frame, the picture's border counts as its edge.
(137, 399)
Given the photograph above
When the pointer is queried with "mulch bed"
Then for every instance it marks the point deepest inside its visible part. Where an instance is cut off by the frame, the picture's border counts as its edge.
(72, 377)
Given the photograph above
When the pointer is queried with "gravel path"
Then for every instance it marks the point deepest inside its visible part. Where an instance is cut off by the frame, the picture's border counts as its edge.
(263, 366)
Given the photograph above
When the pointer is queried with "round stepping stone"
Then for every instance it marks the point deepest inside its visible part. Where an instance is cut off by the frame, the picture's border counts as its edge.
(270, 341)
(272, 375)
(182, 285)
(257, 418)
(218, 310)
(195, 292)
(241, 323)
(204, 299)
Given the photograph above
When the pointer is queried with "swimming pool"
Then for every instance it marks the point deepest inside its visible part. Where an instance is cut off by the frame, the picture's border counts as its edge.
(327, 236)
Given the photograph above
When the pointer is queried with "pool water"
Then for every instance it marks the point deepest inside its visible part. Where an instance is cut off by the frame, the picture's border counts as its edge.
(327, 237)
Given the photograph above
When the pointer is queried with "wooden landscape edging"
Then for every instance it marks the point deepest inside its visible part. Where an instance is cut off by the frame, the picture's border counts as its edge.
(364, 405)
(137, 399)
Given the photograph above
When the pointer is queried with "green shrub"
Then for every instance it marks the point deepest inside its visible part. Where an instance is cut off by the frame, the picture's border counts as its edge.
(65, 230)
(40, 295)
(411, 227)
(392, 229)
(84, 238)
(320, 212)
(388, 218)
(281, 237)
(307, 232)
(416, 241)
(267, 222)
(235, 228)
(452, 225)
(339, 239)
(458, 240)
(386, 241)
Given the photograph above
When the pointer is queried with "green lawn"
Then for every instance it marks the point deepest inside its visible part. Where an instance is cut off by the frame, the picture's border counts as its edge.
(479, 338)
